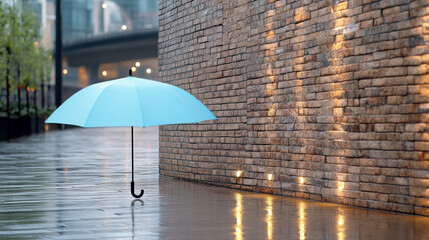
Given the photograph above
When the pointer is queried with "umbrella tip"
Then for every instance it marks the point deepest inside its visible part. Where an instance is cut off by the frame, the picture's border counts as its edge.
(130, 72)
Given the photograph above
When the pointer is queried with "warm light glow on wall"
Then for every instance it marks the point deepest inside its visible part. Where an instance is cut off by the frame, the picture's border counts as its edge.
(104, 73)
(340, 186)
(270, 88)
(270, 34)
(299, 12)
(337, 92)
(270, 177)
(337, 45)
(341, 6)
(301, 180)
(269, 70)
(269, 217)
(148, 70)
(272, 111)
(238, 173)
(424, 89)
(238, 210)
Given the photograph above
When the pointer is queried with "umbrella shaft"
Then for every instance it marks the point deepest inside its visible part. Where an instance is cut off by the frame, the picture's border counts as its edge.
(132, 154)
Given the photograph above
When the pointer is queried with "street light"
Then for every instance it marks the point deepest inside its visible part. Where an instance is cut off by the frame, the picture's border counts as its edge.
(104, 5)
(148, 70)
(124, 27)
(58, 53)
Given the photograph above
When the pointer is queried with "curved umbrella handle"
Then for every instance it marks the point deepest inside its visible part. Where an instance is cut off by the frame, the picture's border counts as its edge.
(132, 191)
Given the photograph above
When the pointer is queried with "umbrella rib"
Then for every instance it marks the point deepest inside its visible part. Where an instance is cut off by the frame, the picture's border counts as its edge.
(140, 104)
(95, 102)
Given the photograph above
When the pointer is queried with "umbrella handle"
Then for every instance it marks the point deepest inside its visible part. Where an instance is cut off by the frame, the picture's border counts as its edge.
(132, 191)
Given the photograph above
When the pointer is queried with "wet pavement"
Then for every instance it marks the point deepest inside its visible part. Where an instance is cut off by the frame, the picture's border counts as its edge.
(74, 184)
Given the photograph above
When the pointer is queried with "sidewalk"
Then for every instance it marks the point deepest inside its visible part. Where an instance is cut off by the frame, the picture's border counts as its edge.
(74, 184)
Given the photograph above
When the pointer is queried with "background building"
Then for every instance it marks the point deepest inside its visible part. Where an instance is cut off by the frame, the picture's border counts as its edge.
(102, 39)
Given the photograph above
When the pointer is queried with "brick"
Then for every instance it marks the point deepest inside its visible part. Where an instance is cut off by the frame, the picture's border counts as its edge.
(384, 127)
(422, 146)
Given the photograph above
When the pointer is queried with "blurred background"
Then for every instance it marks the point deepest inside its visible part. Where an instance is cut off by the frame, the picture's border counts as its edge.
(101, 40)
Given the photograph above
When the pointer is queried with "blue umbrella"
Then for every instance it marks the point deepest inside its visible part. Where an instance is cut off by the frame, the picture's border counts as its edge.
(130, 102)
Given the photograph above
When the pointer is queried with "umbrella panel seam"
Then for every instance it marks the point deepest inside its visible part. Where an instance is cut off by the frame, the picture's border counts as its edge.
(140, 102)
(95, 102)
(180, 99)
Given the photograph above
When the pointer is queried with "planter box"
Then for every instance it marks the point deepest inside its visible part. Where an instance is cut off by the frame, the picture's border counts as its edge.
(41, 124)
(37, 125)
(24, 126)
(3, 128)
(14, 127)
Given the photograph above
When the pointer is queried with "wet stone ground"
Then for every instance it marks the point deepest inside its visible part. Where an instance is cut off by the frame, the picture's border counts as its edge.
(74, 184)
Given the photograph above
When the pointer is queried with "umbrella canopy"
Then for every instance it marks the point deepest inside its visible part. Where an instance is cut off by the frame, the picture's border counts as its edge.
(128, 102)
(132, 102)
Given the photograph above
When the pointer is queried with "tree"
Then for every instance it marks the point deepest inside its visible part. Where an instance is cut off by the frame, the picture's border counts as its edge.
(23, 60)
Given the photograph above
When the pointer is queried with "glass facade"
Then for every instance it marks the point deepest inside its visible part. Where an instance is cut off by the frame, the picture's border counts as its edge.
(83, 19)
(77, 20)
(86, 19)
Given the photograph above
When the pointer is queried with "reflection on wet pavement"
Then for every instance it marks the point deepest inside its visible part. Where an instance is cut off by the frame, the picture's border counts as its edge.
(74, 184)
(238, 210)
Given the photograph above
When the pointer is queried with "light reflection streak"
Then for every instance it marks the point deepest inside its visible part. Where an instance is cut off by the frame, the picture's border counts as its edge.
(238, 210)
(341, 226)
(269, 217)
(106, 168)
(301, 220)
(66, 174)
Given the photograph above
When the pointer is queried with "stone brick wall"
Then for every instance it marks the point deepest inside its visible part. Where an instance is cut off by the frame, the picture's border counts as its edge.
(324, 100)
